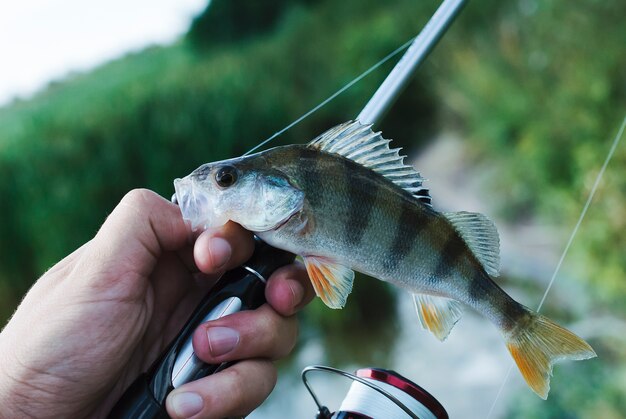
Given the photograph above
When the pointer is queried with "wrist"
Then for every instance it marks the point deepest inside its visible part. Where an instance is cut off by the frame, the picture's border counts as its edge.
(27, 391)
(11, 390)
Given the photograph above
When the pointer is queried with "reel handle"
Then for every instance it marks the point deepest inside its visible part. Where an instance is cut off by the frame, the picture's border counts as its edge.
(242, 288)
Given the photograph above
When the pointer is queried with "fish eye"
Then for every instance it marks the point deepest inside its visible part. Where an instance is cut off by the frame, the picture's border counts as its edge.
(226, 176)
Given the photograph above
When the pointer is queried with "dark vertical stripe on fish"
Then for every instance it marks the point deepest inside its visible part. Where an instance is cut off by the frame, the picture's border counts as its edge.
(481, 292)
(405, 235)
(361, 198)
(483, 288)
(477, 285)
(450, 256)
(309, 162)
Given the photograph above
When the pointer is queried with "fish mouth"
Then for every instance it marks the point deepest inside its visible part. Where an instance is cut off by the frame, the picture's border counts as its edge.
(195, 204)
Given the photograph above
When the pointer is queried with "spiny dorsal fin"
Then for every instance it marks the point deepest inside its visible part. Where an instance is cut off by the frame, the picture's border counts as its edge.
(359, 143)
(332, 282)
(437, 314)
(481, 237)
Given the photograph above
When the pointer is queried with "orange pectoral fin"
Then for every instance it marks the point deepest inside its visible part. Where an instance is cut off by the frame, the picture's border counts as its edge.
(332, 282)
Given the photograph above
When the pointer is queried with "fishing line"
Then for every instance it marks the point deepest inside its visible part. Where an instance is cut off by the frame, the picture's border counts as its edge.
(334, 95)
(584, 211)
(608, 158)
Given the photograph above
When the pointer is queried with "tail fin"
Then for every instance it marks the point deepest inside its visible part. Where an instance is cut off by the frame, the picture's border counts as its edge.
(537, 343)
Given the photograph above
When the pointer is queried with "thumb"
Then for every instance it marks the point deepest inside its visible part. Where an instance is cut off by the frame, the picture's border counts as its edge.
(138, 231)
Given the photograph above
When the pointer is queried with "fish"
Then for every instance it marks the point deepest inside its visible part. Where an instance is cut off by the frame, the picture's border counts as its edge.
(347, 202)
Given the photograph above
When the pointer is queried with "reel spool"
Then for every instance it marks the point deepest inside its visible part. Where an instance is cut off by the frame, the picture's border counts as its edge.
(378, 394)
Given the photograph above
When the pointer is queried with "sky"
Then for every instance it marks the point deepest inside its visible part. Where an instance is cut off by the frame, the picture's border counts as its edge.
(43, 40)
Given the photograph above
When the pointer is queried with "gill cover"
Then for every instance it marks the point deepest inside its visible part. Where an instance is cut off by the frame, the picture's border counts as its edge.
(271, 201)
(259, 199)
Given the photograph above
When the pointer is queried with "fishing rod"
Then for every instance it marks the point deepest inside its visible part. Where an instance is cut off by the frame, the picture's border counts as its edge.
(400, 75)
(243, 288)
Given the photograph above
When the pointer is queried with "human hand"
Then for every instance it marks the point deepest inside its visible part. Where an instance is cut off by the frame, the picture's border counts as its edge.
(97, 319)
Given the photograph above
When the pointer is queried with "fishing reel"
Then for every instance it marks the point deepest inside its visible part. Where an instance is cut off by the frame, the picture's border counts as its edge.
(378, 394)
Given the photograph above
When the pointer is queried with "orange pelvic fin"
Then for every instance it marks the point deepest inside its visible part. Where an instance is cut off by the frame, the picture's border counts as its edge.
(437, 314)
(537, 344)
(332, 282)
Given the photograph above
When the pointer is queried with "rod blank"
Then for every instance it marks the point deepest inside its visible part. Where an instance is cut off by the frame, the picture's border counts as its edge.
(395, 82)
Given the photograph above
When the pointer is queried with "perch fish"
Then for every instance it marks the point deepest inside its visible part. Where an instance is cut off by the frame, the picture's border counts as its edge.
(347, 202)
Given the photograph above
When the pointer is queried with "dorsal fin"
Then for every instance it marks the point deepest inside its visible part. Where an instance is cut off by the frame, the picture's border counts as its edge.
(359, 143)
(481, 237)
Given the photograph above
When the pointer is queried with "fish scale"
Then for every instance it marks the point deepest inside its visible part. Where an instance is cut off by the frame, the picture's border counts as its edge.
(361, 203)
(389, 225)
(345, 202)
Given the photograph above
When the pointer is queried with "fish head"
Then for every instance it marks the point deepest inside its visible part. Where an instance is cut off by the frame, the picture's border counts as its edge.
(245, 190)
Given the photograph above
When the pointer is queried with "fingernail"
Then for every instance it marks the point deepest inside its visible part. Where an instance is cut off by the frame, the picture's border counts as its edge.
(220, 251)
(187, 404)
(222, 340)
(298, 293)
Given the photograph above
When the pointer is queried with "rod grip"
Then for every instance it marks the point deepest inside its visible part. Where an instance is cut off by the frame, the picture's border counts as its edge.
(242, 288)
(138, 402)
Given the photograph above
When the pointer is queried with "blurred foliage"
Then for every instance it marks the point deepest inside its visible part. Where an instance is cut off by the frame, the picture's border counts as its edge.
(540, 95)
(364, 330)
(544, 105)
(235, 20)
(536, 87)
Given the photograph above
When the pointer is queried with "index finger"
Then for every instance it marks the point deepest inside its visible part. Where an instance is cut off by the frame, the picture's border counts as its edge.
(289, 289)
(223, 248)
